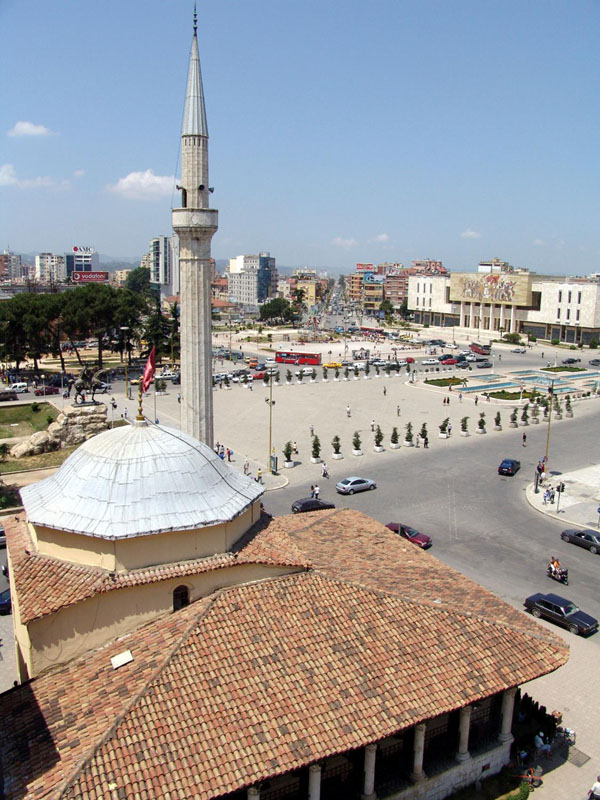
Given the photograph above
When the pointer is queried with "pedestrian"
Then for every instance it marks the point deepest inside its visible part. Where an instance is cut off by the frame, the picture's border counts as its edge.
(594, 792)
(551, 495)
(460, 397)
(426, 442)
(259, 476)
(449, 428)
(125, 413)
(384, 391)
(542, 353)
(348, 411)
(251, 386)
(178, 397)
(228, 454)
(476, 399)
(417, 440)
(312, 430)
(324, 470)
(397, 411)
(499, 356)
(546, 496)
(317, 492)
(217, 447)
(524, 440)
(222, 455)
(295, 449)
(312, 491)
(372, 425)
(246, 466)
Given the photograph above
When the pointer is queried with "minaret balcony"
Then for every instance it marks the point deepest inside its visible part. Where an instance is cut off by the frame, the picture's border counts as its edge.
(195, 218)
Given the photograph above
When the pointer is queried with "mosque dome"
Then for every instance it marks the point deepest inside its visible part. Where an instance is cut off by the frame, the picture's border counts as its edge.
(136, 480)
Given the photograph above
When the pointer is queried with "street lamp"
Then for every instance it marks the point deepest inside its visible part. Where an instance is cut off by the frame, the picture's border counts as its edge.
(125, 332)
(551, 393)
(270, 402)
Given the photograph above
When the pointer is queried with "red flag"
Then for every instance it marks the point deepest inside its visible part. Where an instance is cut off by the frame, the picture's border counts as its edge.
(149, 370)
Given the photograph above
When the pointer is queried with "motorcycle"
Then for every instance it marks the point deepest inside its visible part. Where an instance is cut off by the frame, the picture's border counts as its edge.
(561, 575)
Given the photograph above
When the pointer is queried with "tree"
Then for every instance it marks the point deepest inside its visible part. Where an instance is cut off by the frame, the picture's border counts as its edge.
(287, 451)
(316, 447)
(378, 437)
(356, 442)
(336, 444)
(387, 308)
(394, 436)
(138, 281)
(403, 309)
(278, 308)
(408, 436)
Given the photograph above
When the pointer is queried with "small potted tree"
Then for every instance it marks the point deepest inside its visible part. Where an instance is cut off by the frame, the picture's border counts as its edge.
(423, 433)
(408, 435)
(367, 371)
(316, 450)
(378, 440)
(300, 376)
(377, 375)
(160, 386)
(535, 414)
(288, 462)
(346, 374)
(337, 448)
(444, 428)
(481, 423)
(557, 408)
(525, 415)
(276, 377)
(513, 419)
(313, 376)
(394, 443)
(245, 381)
(325, 373)
(226, 382)
(356, 444)
(266, 378)
(546, 409)
(288, 377)
(388, 369)
(464, 426)
(356, 375)
(497, 422)
(336, 377)
(568, 406)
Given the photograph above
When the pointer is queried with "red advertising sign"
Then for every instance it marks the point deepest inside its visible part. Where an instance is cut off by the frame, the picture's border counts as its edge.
(89, 277)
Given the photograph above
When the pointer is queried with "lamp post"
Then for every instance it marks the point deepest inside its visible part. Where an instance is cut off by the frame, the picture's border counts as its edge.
(125, 332)
(270, 402)
(551, 393)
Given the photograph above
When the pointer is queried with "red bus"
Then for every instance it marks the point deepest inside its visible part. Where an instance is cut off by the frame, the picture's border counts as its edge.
(374, 331)
(293, 357)
(481, 349)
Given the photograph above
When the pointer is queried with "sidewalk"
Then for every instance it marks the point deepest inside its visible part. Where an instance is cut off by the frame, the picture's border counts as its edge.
(580, 501)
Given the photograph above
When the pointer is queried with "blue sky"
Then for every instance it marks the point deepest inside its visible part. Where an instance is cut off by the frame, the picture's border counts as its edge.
(346, 131)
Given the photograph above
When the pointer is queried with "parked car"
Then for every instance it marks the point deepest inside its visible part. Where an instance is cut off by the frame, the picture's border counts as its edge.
(304, 371)
(571, 360)
(5, 602)
(420, 539)
(510, 466)
(176, 379)
(333, 365)
(430, 362)
(354, 484)
(562, 612)
(463, 365)
(471, 357)
(518, 350)
(584, 537)
(595, 362)
(445, 357)
(449, 362)
(484, 364)
(309, 504)
(41, 391)
(2, 536)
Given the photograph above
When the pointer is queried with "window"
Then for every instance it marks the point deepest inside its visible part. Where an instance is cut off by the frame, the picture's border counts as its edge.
(560, 295)
(430, 288)
(577, 316)
(430, 302)
(418, 288)
(569, 297)
(181, 598)
(558, 313)
(578, 298)
(568, 313)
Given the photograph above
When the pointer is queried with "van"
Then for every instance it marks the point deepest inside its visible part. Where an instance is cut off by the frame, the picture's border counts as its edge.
(18, 387)
(270, 362)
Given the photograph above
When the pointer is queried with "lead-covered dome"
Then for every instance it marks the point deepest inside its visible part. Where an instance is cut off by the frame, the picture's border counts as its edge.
(139, 479)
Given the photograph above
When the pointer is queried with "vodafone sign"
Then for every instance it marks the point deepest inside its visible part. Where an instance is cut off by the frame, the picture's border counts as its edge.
(89, 277)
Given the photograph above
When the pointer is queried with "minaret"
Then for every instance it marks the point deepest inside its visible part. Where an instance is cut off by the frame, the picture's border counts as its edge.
(195, 225)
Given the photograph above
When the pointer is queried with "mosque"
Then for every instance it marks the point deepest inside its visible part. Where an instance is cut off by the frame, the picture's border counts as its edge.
(175, 641)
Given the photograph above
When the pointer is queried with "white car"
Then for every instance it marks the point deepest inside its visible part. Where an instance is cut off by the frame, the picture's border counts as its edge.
(430, 362)
(518, 350)
(452, 346)
(471, 357)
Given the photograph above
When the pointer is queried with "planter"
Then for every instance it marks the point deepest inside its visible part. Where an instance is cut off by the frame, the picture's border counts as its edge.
(326, 380)
(497, 427)
(367, 377)
(357, 377)
(378, 376)
(346, 379)
(315, 460)
(162, 394)
(387, 376)
(276, 383)
(357, 452)
(443, 435)
(558, 416)
(512, 425)
(378, 448)
(289, 464)
(337, 456)
(464, 433)
(394, 445)
(336, 380)
(569, 414)
(480, 430)
(313, 380)
(408, 444)
(535, 421)
(524, 423)
(288, 383)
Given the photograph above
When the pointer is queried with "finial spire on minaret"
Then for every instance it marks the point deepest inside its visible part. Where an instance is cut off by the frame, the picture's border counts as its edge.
(195, 21)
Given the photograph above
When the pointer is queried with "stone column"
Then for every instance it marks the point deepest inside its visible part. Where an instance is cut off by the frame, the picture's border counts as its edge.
(512, 318)
(463, 734)
(502, 315)
(314, 782)
(369, 772)
(253, 793)
(419, 749)
(508, 704)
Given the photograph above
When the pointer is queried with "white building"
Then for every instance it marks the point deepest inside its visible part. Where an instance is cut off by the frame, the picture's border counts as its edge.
(163, 262)
(251, 279)
(501, 299)
(11, 267)
(50, 268)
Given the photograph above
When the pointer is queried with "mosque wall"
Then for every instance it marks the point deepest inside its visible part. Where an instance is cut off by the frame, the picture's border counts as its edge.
(75, 630)
(75, 547)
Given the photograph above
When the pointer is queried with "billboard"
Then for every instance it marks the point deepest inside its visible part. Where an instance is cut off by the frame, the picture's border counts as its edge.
(89, 277)
(496, 287)
(77, 248)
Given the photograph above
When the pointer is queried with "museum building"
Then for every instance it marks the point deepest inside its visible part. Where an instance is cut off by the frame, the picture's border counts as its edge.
(502, 299)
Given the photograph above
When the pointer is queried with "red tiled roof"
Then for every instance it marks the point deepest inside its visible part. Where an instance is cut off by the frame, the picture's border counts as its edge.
(262, 678)
(45, 584)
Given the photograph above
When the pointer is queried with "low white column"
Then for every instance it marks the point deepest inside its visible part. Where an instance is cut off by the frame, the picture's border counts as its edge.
(253, 793)
(418, 751)
(508, 704)
(314, 782)
(369, 772)
(512, 318)
(463, 734)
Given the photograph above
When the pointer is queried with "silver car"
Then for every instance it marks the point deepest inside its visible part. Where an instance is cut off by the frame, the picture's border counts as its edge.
(355, 484)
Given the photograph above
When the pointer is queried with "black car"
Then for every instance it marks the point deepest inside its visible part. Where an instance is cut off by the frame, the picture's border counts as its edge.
(562, 612)
(510, 466)
(310, 504)
(595, 362)
(571, 360)
(484, 364)
(5, 602)
(584, 537)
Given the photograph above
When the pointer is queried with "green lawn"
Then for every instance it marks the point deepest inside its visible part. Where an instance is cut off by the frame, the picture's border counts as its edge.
(444, 381)
(563, 369)
(23, 420)
(44, 460)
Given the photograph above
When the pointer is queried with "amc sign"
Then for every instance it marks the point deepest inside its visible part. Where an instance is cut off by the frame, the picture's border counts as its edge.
(80, 249)
(89, 277)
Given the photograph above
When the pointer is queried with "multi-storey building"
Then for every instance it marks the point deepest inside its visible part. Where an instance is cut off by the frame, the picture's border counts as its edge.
(502, 299)
(50, 268)
(11, 267)
(81, 259)
(251, 279)
(373, 293)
